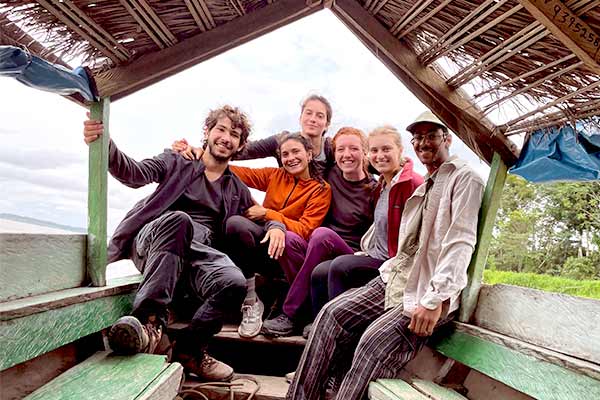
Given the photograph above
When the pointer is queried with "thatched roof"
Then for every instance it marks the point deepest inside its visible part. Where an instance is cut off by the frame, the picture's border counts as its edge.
(464, 59)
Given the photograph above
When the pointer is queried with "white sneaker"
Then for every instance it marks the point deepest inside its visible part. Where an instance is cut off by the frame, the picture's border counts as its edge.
(251, 319)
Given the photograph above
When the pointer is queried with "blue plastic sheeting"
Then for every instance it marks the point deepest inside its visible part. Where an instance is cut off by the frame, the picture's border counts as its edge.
(39, 74)
(560, 155)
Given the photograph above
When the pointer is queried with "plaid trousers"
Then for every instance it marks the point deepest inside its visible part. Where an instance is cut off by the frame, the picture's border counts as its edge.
(355, 320)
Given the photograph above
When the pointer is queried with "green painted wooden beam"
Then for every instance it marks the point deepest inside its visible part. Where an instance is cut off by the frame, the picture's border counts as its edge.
(24, 338)
(97, 197)
(487, 217)
(107, 376)
(539, 379)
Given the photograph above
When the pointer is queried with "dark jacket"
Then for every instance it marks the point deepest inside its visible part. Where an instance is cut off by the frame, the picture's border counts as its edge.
(173, 174)
(400, 191)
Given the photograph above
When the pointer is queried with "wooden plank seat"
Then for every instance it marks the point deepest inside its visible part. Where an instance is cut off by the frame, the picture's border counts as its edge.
(527, 368)
(35, 325)
(229, 333)
(107, 376)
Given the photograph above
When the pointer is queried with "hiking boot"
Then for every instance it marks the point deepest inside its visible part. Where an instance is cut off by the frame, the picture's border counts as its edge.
(306, 330)
(129, 336)
(206, 367)
(281, 325)
(251, 319)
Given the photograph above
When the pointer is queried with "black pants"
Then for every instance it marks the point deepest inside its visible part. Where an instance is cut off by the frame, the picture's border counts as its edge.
(182, 273)
(333, 277)
(242, 237)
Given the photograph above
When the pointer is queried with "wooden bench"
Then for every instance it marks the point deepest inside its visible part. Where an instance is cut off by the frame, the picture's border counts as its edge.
(110, 377)
(545, 348)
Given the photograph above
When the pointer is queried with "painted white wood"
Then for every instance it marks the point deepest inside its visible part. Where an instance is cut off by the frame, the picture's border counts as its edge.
(32, 264)
(565, 324)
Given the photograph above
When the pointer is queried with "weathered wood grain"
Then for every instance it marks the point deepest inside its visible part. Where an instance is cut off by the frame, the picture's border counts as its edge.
(24, 338)
(165, 386)
(97, 197)
(487, 218)
(31, 264)
(436, 392)
(574, 364)
(270, 388)
(49, 301)
(451, 106)
(393, 389)
(566, 324)
(106, 376)
(539, 379)
(229, 333)
(567, 27)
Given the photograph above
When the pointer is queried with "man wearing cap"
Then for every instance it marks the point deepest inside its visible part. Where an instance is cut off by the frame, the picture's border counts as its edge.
(383, 324)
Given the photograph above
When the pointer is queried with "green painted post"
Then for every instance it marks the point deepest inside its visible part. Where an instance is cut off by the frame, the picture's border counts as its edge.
(97, 197)
(487, 218)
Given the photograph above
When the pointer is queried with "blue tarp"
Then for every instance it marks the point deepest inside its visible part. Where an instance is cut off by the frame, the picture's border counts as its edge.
(39, 74)
(560, 155)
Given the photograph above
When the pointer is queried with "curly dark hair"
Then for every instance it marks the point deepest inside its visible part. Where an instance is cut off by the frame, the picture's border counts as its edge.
(238, 118)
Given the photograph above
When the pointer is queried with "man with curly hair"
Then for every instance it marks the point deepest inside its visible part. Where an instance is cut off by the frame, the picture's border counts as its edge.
(172, 236)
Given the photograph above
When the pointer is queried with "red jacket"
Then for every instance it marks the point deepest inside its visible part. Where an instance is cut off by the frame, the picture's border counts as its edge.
(400, 191)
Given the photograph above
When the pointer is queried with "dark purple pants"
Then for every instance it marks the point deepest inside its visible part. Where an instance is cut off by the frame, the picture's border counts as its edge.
(300, 259)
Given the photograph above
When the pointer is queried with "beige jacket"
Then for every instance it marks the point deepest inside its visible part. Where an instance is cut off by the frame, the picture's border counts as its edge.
(448, 237)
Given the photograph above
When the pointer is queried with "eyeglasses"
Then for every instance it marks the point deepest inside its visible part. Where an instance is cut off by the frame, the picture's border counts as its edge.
(430, 137)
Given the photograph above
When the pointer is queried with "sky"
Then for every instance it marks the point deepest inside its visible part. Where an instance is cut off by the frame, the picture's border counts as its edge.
(43, 159)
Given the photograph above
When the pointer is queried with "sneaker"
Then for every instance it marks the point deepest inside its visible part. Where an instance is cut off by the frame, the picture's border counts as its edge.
(289, 377)
(206, 367)
(306, 330)
(251, 319)
(281, 325)
(129, 336)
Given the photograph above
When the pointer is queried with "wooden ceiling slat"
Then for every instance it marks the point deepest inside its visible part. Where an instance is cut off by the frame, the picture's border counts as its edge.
(460, 29)
(192, 8)
(556, 118)
(449, 105)
(91, 28)
(97, 27)
(501, 53)
(410, 15)
(525, 75)
(478, 32)
(107, 51)
(426, 18)
(567, 27)
(377, 6)
(10, 33)
(142, 23)
(510, 47)
(554, 103)
(205, 14)
(153, 67)
(535, 84)
(155, 22)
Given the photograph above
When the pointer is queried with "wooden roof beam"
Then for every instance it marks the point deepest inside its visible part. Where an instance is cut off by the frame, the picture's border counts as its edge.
(567, 27)
(449, 105)
(153, 67)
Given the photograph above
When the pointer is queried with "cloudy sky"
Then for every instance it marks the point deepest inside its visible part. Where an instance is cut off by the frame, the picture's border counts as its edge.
(43, 160)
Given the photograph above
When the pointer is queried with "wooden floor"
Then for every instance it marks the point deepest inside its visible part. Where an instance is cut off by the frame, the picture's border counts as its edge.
(269, 388)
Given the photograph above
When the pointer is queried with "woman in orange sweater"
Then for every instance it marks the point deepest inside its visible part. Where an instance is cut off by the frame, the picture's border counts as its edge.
(296, 195)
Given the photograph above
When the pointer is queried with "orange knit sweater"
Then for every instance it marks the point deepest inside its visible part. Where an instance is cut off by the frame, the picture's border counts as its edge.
(301, 204)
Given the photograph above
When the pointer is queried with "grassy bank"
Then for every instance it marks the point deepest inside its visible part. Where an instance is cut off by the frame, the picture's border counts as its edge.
(545, 282)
